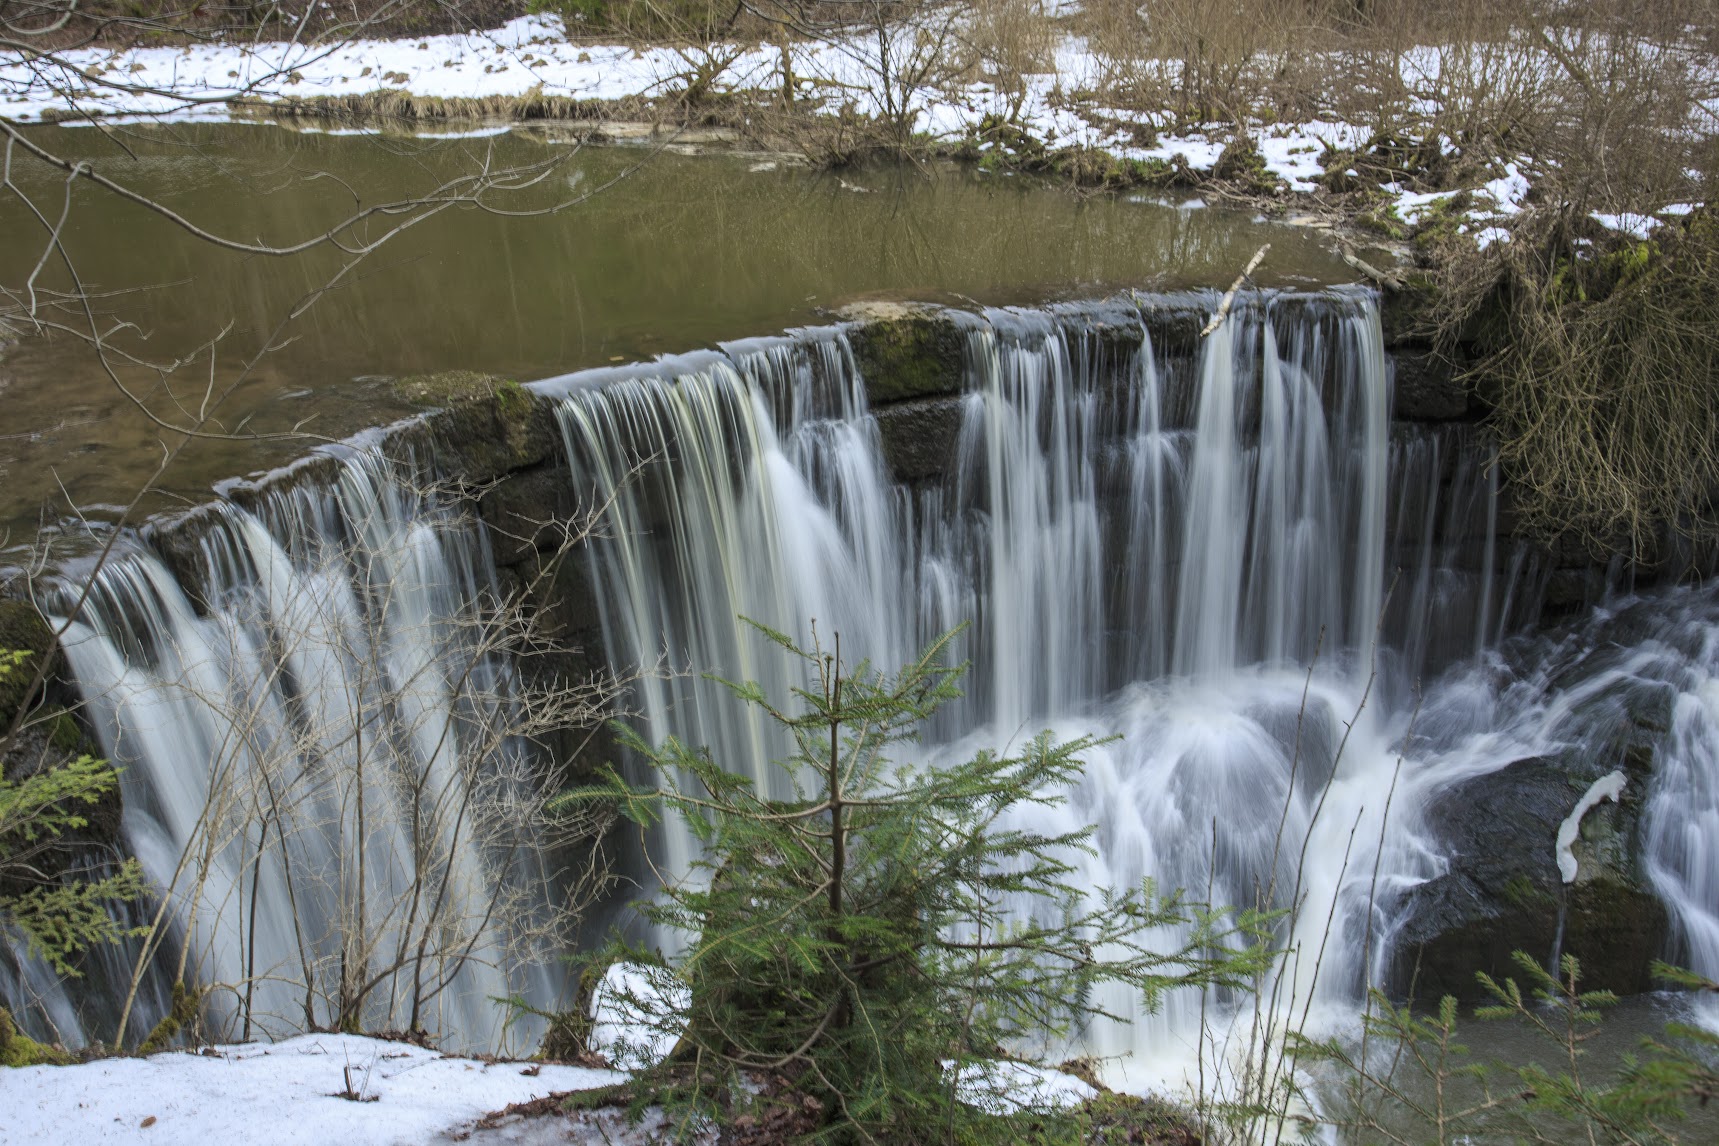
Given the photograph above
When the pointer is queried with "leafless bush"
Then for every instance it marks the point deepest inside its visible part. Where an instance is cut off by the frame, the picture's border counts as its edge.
(1194, 61)
(1615, 95)
(1010, 40)
(1600, 354)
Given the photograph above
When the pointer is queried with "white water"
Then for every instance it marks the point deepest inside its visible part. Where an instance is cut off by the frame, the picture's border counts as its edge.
(1175, 546)
(310, 764)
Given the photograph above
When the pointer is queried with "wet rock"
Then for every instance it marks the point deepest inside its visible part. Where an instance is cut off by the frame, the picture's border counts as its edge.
(1406, 315)
(485, 426)
(22, 629)
(920, 439)
(905, 351)
(1427, 388)
(558, 589)
(1504, 893)
(1572, 590)
(523, 510)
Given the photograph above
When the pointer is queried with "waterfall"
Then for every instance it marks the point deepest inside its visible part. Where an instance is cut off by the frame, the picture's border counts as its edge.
(1296, 617)
(1183, 543)
(316, 766)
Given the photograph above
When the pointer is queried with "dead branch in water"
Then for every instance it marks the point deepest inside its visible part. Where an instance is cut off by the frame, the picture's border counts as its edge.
(1384, 279)
(1229, 298)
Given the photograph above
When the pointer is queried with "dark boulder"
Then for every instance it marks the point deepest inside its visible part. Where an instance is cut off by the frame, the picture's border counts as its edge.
(1504, 892)
(526, 511)
(920, 439)
(1427, 388)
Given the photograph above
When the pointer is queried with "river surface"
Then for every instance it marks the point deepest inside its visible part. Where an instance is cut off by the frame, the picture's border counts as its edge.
(682, 251)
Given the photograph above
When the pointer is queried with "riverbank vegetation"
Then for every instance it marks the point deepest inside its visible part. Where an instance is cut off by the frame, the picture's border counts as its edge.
(1540, 171)
(1597, 353)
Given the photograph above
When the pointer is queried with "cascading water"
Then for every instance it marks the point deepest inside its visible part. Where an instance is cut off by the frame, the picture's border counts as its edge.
(316, 766)
(1292, 611)
(1184, 544)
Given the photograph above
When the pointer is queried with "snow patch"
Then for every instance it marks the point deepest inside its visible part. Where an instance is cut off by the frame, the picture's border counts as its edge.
(1607, 787)
(638, 1014)
(1635, 226)
(1003, 1087)
(285, 1094)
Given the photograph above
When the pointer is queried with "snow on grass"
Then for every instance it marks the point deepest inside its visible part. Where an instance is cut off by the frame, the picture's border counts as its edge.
(532, 55)
(1627, 223)
(282, 1094)
(525, 54)
(1487, 236)
(1004, 1087)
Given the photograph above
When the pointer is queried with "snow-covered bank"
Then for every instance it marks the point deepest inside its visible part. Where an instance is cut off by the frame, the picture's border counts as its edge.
(529, 68)
(532, 59)
(531, 56)
(281, 1094)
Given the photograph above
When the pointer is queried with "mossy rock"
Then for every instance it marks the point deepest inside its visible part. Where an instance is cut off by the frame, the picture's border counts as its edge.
(18, 1049)
(905, 352)
(453, 387)
(487, 424)
(22, 628)
(1406, 314)
(64, 733)
(1504, 893)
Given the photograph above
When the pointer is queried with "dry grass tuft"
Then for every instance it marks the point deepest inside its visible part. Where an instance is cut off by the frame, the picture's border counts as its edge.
(1601, 365)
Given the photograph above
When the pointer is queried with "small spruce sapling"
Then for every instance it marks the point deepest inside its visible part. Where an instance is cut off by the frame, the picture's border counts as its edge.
(1418, 1084)
(59, 918)
(888, 924)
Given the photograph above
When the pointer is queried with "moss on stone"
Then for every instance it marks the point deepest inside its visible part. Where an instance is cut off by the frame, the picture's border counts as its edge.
(914, 354)
(492, 425)
(64, 734)
(18, 1049)
(181, 1014)
(22, 628)
(511, 398)
(448, 387)
(1520, 890)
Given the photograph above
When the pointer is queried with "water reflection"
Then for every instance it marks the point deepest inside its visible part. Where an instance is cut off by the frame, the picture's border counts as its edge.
(687, 251)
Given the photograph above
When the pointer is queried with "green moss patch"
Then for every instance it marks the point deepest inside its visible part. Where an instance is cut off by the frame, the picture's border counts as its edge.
(904, 353)
(488, 425)
(18, 1049)
(22, 629)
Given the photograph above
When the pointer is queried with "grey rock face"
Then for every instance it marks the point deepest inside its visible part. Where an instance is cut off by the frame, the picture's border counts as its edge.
(1504, 893)
(919, 439)
(1427, 389)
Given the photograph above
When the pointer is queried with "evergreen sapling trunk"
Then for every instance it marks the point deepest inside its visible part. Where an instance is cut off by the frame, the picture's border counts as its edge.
(888, 927)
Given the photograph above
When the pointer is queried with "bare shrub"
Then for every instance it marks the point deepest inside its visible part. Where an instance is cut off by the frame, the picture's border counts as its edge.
(1011, 40)
(1601, 356)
